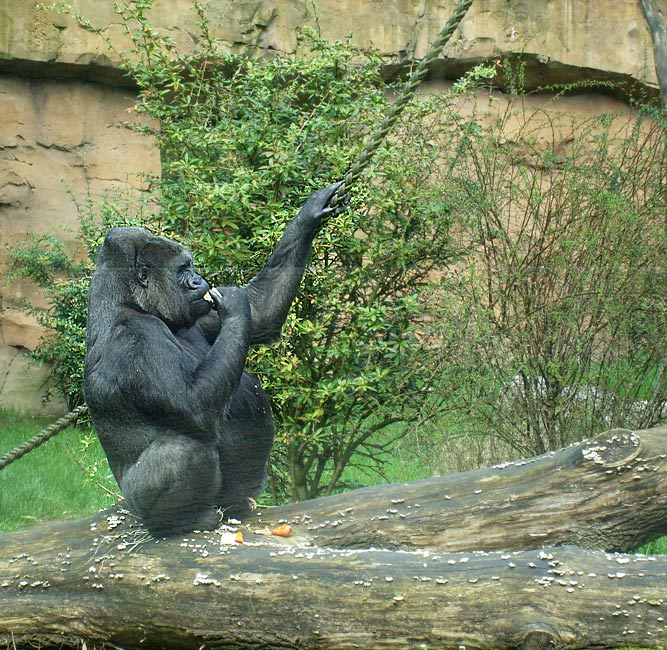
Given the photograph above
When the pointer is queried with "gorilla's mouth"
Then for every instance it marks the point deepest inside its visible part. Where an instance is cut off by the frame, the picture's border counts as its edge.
(200, 307)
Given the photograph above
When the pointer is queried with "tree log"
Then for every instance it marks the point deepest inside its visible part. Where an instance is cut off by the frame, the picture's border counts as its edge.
(103, 581)
(201, 594)
(608, 493)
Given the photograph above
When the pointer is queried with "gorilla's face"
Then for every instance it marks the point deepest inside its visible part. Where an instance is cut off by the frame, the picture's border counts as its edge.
(169, 286)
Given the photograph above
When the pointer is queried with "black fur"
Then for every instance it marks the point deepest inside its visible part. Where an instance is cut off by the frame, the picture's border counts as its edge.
(186, 430)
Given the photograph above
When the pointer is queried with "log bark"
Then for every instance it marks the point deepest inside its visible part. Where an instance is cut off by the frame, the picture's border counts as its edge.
(104, 582)
(199, 594)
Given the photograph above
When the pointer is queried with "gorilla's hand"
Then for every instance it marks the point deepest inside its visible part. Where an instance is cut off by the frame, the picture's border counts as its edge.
(230, 301)
(317, 211)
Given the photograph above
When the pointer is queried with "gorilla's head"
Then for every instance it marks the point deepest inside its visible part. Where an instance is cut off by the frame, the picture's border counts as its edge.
(153, 274)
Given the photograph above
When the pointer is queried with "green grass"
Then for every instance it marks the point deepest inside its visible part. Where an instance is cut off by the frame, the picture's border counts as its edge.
(68, 476)
(50, 482)
(400, 465)
(657, 547)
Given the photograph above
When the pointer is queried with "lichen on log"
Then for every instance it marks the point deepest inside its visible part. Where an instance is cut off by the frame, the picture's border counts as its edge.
(196, 593)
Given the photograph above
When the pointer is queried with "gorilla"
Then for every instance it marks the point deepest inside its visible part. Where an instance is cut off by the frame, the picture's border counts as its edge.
(186, 430)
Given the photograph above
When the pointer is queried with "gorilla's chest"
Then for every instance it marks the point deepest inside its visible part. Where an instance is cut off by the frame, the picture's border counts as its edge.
(193, 343)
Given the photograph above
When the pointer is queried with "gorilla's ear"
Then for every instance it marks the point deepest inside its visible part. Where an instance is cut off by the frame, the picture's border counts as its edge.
(114, 281)
(142, 274)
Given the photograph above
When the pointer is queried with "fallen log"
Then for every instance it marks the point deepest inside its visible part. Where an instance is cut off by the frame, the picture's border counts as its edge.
(104, 581)
(199, 593)
(608, 493)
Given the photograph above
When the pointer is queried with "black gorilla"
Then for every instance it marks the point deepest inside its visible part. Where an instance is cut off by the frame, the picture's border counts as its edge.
(185, 429)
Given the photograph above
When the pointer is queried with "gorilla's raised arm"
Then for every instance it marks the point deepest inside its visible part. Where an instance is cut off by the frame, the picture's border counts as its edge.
(272, 290)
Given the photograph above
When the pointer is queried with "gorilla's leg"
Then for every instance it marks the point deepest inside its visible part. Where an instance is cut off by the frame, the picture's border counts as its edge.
(244, 445)
(173, 486)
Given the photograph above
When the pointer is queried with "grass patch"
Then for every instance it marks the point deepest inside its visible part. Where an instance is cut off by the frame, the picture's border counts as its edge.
(58, 480)
(656, 547)
(398, 467)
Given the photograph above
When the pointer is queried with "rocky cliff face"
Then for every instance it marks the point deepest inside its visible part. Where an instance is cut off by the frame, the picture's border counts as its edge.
(63, 97)
(61, 144)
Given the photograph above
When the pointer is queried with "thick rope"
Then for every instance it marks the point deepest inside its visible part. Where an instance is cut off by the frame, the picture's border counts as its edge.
(404, 97)
(42, 436)
(362, 161)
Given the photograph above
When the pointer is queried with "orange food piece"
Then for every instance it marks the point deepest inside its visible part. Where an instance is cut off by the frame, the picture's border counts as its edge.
(284, 530)
(238, 538)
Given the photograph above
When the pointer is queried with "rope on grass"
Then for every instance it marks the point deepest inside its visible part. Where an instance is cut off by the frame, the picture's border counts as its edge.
(404, 97)
(362, 161)
(44, 435)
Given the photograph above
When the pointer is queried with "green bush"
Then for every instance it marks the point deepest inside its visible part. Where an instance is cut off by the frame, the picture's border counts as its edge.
(243, 143)
(549, 323)
(557, 328)
(64, 278)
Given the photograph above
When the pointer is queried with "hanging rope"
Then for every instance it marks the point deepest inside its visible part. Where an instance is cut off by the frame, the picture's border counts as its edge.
(403, 99)
(362, 161)
(42, 436)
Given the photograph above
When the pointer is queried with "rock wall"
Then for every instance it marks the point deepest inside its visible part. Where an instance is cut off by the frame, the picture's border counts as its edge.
(63, 98)
(591, 38)
(61, 143)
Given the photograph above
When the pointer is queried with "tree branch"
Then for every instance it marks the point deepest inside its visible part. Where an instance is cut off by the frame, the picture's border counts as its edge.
(655, 13)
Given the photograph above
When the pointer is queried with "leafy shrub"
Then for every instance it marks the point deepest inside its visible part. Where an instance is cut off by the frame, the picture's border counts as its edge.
(557, 327)
(550, 329)
(63, 275)
(243, 143)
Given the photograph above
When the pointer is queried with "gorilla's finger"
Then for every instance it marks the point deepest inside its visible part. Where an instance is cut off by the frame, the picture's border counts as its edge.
(214, 296)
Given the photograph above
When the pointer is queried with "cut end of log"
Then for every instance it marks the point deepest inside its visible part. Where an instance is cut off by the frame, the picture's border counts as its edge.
(613, 449)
